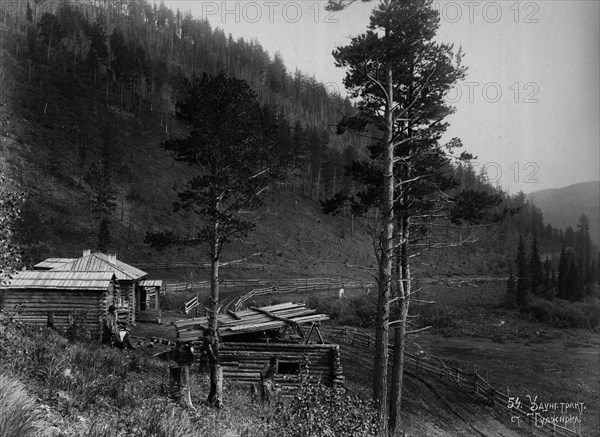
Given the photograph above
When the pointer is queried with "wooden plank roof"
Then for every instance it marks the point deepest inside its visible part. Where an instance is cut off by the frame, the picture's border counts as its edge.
(56, 279)
(150, 283)
(100, 262)
(52, 263)
(257, 319)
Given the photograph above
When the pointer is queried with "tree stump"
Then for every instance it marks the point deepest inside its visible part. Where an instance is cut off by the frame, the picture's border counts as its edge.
(215, 397)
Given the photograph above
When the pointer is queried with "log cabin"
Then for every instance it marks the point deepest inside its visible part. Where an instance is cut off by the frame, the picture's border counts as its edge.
(59, 297)
(137, 298)
(249, 338)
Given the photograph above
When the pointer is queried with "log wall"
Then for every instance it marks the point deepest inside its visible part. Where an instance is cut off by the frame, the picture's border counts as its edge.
(36, 303)
(242, 363)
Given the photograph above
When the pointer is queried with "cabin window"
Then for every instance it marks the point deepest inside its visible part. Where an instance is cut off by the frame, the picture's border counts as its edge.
(288, 367)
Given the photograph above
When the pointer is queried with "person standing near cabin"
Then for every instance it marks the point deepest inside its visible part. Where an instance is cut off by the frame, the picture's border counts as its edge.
(111, 333)
(110, 328)
(267, 379)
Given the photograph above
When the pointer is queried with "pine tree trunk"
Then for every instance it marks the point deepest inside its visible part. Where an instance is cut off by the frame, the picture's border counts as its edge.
(214, 281)
(385, 264)
(216, 380)
(404, 289)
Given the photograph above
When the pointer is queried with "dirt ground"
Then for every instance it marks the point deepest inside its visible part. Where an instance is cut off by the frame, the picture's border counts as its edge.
(520, 356)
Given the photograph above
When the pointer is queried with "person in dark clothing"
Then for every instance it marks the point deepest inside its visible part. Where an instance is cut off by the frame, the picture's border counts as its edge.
(112, 335)
(267, 379)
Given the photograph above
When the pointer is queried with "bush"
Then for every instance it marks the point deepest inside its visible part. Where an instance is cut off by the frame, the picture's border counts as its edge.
(78, 330)
(590, 308)
(438, 318)
(569, 316)
(17, 409)
(321, 411)
(565, 314)
(357, 311)
(543, 310)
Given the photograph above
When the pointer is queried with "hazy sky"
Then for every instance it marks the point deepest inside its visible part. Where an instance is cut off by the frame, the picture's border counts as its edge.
(529, 106)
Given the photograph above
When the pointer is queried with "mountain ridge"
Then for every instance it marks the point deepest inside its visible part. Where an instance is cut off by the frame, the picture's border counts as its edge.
(562, 207)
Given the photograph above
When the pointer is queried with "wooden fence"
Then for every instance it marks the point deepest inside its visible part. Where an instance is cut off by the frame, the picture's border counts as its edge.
(299, 286)
(192, 265)
(193, 303)
(285, 285)
(521, 410)
(308, 284)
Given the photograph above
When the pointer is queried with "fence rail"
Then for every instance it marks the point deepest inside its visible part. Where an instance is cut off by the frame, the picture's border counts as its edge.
(309, 284)
(299, 286)
(274, 285)
(190, 305)
(521, 410)
(191, 265)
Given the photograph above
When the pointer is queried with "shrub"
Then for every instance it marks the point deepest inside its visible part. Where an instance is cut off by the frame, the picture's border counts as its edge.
(590, 308)
(78, 330)
(569, 316)
(543, 310)
(565, 314)
(362, 310)
(438, 318)
(17, 409)
(356, 311)
(321, 411)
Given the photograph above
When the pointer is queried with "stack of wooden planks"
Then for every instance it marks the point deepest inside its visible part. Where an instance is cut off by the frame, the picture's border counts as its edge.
(190, 329)
(250, 320)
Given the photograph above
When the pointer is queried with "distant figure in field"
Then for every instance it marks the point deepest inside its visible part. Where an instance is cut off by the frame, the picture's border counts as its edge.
(267, 379)
(112, 335)
(341, 293)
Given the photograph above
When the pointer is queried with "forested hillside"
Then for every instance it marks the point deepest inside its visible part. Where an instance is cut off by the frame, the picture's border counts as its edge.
(88, 93)
(563, 206)
(89, 87)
